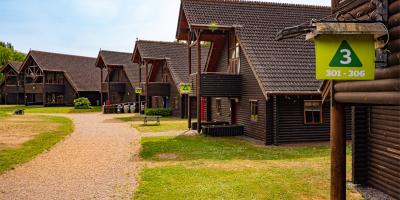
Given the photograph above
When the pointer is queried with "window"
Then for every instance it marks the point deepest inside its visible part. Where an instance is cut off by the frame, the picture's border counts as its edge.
(312, 112)
(234, 55)
(218, 105)
(253, 110)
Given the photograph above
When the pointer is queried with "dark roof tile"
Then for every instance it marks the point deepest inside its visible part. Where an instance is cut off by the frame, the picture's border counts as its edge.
(80, 70)
(287, 65)
(176, 55)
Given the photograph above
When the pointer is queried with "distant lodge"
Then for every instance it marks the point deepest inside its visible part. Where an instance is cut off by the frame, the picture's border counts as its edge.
(50, 79)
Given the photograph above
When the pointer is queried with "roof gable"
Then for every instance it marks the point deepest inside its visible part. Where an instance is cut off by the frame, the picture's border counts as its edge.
(175, 54)
(79, 70)
(14, 65)
(279, 66)
(114, 58)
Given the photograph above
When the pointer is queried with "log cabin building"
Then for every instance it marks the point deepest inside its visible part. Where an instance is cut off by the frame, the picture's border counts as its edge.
(118, 76)
(11, 88)
(376, 104)
(167, 68)
(250, 79)
(53, 79)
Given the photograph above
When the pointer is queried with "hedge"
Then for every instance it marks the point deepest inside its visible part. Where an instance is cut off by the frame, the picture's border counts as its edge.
(158, 111)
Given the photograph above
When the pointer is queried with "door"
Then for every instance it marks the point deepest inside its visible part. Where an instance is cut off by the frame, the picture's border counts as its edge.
(233, 111)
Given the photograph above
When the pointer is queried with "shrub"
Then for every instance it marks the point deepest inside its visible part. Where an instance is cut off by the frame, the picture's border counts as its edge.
(158, 111)
(82, 103)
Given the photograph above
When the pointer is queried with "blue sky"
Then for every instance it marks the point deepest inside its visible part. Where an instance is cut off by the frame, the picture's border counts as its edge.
(84, 26)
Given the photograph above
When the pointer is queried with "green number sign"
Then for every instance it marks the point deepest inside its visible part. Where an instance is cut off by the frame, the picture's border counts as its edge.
(185, 88)
(138, 90)
(345, 57)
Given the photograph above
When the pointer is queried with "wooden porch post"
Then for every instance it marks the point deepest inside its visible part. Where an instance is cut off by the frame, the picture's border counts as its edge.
(101, 86)
(44, 89)
(338, 150)
(198, 84)
(5, 89)
(147, 83)
(108, 85)
(189, 103)
(17, 90)
(140, 85)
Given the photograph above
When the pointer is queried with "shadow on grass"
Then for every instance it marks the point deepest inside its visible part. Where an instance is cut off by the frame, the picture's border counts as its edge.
(201, 147)
(41, 109)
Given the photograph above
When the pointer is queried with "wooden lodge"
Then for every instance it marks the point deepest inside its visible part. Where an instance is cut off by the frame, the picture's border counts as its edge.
(118, 76)
(250, 79)
(375, 104)
(11, 88)
(163, 67)
(52, 79)
(376, 127)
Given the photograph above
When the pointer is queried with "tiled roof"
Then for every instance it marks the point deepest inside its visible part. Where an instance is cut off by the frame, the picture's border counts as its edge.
(279, 66)
(81, 71)
(14, 64)
(176, 55)
(123, 59)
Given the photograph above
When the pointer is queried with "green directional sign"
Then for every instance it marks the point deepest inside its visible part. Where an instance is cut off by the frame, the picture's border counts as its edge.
(345, 57)
(185, 88)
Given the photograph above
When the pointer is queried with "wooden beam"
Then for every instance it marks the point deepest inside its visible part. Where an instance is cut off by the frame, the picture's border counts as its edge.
(189, 104)
(338, 151)
(147, 83)
(198, 84)
(374, 28)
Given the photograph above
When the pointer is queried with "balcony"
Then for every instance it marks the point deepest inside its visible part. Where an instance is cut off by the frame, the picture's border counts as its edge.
(214, 84)
(156, 89)
(38, 88)
(14, 89)
(34, 88)
(119, 87)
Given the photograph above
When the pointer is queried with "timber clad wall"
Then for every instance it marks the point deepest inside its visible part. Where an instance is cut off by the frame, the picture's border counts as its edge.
(360, 121)
(384, 151)
(376, 149)
(290, 127)
(251, 91)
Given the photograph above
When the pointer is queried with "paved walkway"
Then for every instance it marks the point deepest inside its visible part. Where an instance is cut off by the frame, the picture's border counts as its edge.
(95, 162)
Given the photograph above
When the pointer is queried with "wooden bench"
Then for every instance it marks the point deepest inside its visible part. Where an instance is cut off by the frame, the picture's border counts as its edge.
(19, 112)
(154, 118)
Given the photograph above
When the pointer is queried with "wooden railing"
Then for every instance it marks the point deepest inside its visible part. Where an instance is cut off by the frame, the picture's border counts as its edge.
(215, 84)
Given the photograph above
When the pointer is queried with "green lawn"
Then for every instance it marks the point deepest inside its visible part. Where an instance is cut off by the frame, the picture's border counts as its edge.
(39, 109)
(167, 124)
(198, 167)
(11, 157)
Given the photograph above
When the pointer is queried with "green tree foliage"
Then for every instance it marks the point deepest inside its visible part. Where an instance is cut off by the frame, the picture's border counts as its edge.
(7, 53)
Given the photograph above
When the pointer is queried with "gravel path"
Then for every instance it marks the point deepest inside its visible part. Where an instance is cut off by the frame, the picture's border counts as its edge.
(96, 162)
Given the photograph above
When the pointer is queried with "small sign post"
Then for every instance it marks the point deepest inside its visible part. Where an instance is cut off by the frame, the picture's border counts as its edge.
(345, 57)
(138, 90)
(185, 88)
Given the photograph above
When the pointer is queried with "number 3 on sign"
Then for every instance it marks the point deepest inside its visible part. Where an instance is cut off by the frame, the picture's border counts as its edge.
(346, 59)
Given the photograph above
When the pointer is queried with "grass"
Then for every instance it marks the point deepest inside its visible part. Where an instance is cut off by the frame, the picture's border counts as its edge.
(228, 168)
(11, 157)
(39, 109)
(167, 124)
(201, 147)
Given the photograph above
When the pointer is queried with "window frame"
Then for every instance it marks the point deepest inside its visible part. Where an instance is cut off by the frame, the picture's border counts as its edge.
(320, 113)
(234, 54)
(254, 112)
(218, 106)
